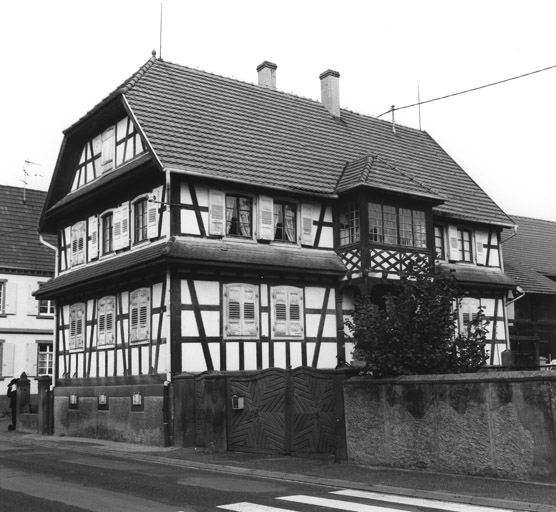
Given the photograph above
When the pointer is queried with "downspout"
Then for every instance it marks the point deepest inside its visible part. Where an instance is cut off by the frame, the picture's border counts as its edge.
(168, 302)
(55, 249)
(166, 413)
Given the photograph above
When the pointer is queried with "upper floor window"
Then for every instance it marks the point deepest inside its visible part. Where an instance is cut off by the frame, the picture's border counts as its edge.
(46, 307)
(397, 226)
(77, 326)
(78, 234)
(140, 315)
(349, 224)
(44, 359)
(241, 311)
(107, 233)
(464, 245)
(439, 242)
(238, 215)
(287, 312)
(285, 221)
(140, 220)
(105, 314)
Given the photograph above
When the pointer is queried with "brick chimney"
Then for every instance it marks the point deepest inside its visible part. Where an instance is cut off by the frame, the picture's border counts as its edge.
(330, 91)
(267, 74)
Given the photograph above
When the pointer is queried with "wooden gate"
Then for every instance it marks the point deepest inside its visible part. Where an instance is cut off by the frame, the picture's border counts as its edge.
(286, 411)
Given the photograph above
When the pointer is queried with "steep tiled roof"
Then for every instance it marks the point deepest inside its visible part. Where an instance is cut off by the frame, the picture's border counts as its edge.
(529, 256)
(220, 127)
(372, 171)
(20, 247)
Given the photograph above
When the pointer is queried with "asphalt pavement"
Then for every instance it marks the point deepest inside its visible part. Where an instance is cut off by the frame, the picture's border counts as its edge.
(477, 490)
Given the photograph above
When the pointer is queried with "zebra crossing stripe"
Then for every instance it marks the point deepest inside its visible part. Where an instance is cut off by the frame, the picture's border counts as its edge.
(418, 502)
(252, 507)
(336, 504)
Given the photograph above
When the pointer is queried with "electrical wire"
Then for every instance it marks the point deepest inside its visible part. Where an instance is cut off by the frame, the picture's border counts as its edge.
(393, 109)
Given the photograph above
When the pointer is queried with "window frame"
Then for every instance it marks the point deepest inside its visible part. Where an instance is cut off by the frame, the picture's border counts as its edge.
(439, 248)
(246, 324)
(461, 245)
(398, 226)
(228, 221)
(107, 240)
(282, 205)
(140, 309)
(349, 224)
(142, 216)
(77, 326)
(49, 357)
(106, 336)
(289, 297)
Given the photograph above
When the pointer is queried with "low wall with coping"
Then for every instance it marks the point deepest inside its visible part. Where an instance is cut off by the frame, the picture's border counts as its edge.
(499, 424)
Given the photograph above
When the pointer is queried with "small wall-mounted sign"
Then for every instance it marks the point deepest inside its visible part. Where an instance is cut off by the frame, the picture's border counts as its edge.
(73, 399)
(137, 399)
(102, 399)
(238, 402)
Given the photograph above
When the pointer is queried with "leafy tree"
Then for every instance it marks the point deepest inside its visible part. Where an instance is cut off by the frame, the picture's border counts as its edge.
(415, 332)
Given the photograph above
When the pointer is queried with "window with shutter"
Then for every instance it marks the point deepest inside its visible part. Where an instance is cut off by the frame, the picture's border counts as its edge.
(108, 233)
(287, 308)
(469, 310)
(105, 315)
(77, 324)
(78, 232)
(241, 311)
(140, 315)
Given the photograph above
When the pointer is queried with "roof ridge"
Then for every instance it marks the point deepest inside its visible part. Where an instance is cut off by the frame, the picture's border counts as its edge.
(531, 218)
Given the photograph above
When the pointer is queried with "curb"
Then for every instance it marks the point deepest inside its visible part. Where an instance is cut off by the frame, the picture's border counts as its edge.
(273, 475)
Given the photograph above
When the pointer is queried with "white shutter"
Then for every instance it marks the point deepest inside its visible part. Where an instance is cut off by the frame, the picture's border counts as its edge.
(134, 316)
(250, 324)
(153, 208)
(279, 312)
(31, 359)
(295, 313)
(306, 224)
(266, 218)
(10, 305)
(124, 242)
(217, 213)
(121, 227)
(93, 238)
(144, 314)
(7, 369)
(107, 152)
(233, 303)
(453, 243)
(32, 303)
(481, 239)
(117, 229)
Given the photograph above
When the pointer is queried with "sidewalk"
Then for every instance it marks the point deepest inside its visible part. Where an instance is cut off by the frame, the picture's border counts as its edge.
(512, 495)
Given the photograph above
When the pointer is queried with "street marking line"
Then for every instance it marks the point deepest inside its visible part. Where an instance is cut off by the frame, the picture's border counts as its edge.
(418, 502)
(336, 504)
(252, 507)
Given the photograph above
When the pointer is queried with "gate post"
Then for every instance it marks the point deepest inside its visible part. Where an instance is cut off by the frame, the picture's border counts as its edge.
(43, 409)
(23, 398)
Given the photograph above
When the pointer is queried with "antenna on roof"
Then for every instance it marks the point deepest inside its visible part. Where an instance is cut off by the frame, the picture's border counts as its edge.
(393, 119)
(160, 34)
(26, 174)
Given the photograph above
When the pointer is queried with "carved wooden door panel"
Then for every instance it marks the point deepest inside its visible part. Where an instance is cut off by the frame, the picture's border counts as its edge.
(313, 415)
(261, 425)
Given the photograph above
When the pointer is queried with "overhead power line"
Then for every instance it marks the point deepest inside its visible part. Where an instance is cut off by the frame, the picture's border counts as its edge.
(467, 90)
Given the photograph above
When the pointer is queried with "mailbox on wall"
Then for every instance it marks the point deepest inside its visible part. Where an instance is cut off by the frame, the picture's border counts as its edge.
(238, 402)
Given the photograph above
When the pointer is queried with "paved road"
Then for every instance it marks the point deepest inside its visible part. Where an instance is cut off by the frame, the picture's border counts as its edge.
(51, 479)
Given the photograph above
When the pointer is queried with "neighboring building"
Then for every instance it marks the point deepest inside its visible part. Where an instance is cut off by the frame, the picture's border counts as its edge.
(206, 224)
(529, 259)
(26, 325)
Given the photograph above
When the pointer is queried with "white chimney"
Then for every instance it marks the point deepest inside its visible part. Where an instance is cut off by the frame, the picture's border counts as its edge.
(330, 91)
(267, 74)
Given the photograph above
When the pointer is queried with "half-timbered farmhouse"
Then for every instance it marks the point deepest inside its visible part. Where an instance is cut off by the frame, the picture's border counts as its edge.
(208, 226)
(26, 325)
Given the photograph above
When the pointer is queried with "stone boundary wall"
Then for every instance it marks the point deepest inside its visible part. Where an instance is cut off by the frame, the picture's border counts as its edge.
(500, 424)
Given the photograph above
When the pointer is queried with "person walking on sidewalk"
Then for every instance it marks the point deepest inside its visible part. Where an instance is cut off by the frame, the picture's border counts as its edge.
(12, 395)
